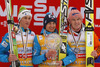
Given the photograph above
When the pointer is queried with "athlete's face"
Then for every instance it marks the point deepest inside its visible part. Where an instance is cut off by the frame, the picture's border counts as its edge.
(25, 21)
(51, 26)
(76, 23)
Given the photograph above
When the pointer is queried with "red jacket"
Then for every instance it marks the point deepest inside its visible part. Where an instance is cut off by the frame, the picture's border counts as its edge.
(97, 44)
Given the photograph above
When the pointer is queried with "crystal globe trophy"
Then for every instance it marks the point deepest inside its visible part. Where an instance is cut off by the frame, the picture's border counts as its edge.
(53, 41)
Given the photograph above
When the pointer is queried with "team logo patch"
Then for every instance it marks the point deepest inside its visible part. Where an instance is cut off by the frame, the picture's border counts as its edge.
(40, 37)
(4, 44)
(7, 40)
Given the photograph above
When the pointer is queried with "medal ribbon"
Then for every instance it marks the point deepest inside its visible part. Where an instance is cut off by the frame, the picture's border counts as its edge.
(76, 42)
(24, 45)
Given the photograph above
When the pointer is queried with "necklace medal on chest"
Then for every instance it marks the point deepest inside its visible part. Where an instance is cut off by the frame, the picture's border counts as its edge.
(24, 56)
(76, 49)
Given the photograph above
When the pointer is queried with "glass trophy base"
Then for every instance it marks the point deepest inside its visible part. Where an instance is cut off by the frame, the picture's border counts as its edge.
(53, 63)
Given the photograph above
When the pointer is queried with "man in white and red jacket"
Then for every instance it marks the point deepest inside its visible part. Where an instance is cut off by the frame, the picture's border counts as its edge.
(76, 38)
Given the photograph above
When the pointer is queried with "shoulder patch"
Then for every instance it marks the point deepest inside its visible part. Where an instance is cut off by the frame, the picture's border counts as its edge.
(4, 44)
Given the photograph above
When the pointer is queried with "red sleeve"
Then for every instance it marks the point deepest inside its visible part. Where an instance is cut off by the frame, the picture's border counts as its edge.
(96, 43)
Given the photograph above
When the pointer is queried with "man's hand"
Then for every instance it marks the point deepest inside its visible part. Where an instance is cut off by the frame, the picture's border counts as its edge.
(12, 57)
(60, 63)
(94, 54)
(51, 54)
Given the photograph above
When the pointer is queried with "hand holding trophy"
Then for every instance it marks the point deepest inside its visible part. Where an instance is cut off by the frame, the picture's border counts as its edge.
(52, 42)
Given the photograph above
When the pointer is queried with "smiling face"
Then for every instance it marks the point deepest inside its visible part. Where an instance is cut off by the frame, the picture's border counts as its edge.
(51, 26)
(76, 23)
(25, 21)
